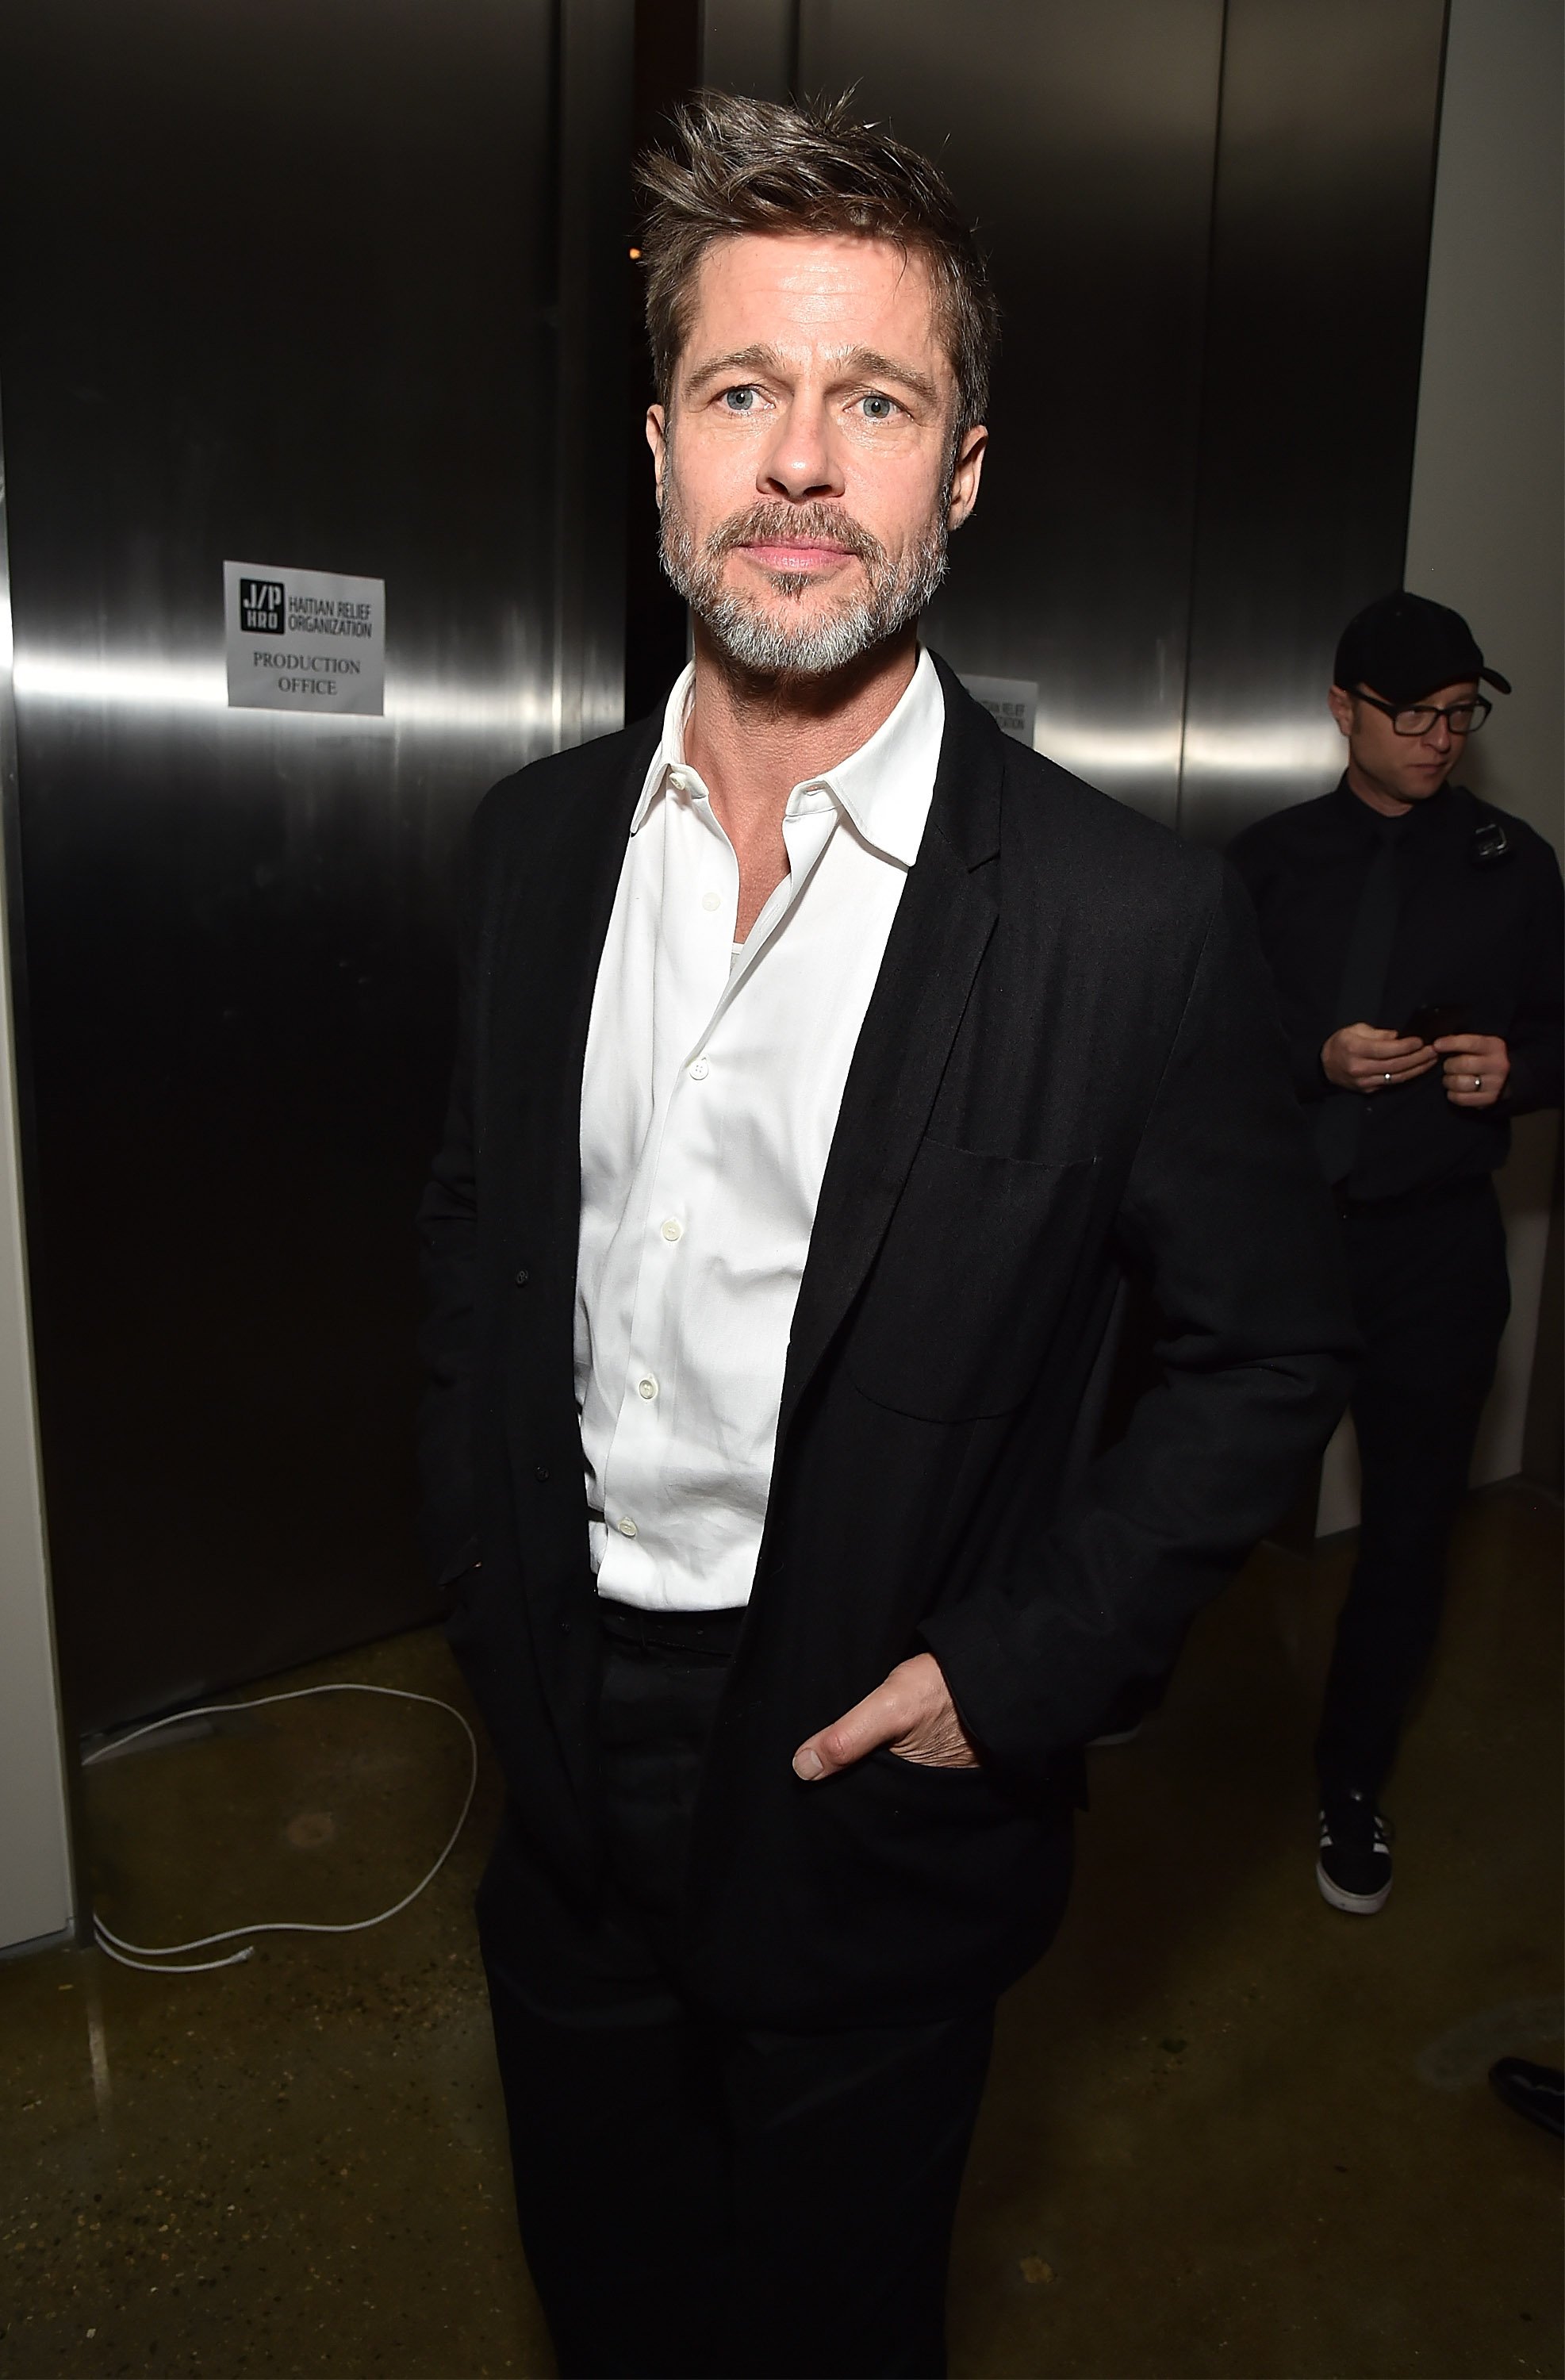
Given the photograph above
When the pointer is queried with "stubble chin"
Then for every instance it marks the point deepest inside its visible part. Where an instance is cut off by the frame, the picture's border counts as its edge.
(790, 628)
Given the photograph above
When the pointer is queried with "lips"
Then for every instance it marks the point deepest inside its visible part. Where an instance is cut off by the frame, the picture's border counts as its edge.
(804, 556)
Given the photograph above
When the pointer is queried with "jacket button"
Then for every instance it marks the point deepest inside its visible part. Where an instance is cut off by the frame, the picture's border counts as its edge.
(565, 1627)
(541, 1471)
(522, 1278)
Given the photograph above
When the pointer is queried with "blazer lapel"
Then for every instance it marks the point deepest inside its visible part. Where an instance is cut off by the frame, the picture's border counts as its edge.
(942, 926)
(548, 942)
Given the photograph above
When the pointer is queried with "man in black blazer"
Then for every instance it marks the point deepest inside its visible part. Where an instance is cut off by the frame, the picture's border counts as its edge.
(826, 1062)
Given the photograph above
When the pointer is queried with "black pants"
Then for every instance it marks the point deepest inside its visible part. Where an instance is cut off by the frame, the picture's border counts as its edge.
(1431, 1293)
(695, 2198)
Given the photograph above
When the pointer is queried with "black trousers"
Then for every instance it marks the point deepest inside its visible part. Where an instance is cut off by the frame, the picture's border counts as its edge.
(1432, 1295)
(696, 2198)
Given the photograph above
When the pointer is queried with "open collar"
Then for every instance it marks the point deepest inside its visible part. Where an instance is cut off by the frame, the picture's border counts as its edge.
(885, 788)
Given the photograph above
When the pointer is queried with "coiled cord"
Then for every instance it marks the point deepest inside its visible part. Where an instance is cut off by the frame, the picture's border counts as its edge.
(152, 1959)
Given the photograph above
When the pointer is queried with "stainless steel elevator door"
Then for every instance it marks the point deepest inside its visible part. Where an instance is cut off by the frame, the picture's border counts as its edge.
(281, 287)
(1320, 258)
(1081, 135)
(1209, 227)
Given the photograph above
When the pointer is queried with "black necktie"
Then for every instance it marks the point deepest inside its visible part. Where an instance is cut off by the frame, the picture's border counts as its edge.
(1340, 1117)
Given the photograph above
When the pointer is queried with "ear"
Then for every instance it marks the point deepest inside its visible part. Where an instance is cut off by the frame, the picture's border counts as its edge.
(657, 439)
(967, 472)
(1340, 702)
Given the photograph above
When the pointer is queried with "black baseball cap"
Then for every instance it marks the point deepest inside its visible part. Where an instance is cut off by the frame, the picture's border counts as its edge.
(1404, 647)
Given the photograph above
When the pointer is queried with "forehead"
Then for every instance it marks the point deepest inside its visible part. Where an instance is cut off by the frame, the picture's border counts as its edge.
(808, 294)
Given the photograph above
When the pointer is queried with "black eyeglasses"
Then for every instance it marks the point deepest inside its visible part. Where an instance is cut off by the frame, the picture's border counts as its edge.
(1462, 718)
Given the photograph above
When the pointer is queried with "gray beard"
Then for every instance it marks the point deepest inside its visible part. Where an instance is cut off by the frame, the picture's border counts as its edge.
(755, 638)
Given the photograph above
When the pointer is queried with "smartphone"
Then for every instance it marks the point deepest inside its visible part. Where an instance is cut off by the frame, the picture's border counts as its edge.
(1434, 1023)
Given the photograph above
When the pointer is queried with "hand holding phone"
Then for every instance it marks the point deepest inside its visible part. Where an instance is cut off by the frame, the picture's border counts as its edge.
(1433, 1023)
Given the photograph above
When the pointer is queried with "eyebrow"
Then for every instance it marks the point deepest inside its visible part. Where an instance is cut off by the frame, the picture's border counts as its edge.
(856, 363)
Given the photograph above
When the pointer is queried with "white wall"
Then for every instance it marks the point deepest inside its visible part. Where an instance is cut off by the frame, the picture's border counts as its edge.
(1485, 531)
(35, 1878)
(1488, 479)
(35, 1889)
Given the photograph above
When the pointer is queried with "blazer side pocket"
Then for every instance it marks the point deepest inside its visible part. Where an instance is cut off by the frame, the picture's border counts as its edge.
(960, 1307)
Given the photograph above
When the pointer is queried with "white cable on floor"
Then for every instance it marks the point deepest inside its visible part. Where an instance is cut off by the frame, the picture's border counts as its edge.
(151, 1960)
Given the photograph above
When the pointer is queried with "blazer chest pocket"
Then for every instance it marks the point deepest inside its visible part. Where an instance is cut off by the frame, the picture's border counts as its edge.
(968, 1286)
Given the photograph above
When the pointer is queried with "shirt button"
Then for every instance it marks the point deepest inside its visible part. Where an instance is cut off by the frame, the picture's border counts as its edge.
(541, 1471)
(679, 781)
(627, 1526)
(647, 1390)
(522, 1278)
(699, 1071)
(711, 900)
(674, 1229)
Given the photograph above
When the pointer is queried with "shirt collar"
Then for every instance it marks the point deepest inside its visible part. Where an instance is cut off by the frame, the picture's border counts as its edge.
(1374, 826)
(670, 753)
(885, 787)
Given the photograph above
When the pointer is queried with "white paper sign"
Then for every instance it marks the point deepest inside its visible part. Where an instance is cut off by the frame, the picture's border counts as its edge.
(303, 640)
(1012, 702)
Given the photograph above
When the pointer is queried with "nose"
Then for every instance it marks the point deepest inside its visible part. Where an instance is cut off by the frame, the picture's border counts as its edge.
(801, 462)
(1440, 737)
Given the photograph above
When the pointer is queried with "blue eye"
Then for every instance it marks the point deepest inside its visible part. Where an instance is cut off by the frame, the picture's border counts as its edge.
(739, 400)
(878, 408)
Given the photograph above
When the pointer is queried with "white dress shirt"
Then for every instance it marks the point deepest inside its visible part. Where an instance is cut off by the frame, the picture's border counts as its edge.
(714, 1078)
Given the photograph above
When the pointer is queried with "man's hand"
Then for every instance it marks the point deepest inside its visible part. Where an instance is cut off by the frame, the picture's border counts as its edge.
(1372, 1058)
(1476, 1068)
(913, 1712)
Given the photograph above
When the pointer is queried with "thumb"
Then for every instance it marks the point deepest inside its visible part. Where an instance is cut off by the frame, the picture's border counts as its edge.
(847, 1740)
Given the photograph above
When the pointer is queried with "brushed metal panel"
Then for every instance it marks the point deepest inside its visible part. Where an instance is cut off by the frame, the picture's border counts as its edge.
(1319, 261)
(750, 46)
(668, 65)
(282, 281)
(1080, 134)
(597, 52)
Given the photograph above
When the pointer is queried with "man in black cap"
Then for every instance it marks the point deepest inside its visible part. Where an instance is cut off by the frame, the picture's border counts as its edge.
(1415, 935)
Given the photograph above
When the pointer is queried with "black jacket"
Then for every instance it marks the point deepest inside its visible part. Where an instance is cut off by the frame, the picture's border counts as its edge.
(1477, 930)
(1071, 1064)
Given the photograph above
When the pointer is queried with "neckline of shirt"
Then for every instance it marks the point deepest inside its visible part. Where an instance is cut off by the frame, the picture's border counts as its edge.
(1419, 818)
(885, 787)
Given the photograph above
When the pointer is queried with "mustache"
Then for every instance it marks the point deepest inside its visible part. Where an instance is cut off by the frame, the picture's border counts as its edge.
(778, 523)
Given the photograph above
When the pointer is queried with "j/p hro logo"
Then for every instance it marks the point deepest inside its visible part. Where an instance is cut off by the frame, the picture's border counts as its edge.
(261, 607)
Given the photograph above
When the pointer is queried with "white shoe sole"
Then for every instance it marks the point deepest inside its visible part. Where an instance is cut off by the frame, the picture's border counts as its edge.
(1357, 1904)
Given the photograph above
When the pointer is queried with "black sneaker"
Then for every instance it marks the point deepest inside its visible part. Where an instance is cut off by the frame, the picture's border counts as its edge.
(1354, 1867)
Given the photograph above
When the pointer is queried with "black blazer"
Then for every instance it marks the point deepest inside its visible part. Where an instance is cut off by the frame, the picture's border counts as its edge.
(1071, 1065)
(1480, 934)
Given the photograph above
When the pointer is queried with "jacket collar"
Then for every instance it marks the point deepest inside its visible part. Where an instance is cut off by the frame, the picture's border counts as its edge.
(942, 930)
(1428, 818)
(966, 810)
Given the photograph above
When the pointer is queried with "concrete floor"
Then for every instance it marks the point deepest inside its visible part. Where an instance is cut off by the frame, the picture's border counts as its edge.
(1228, 2133)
